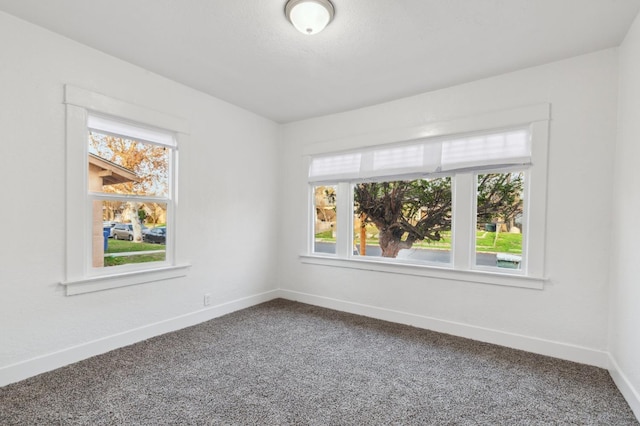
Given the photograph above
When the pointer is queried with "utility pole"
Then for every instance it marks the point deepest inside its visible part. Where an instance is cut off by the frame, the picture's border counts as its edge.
(363, 234)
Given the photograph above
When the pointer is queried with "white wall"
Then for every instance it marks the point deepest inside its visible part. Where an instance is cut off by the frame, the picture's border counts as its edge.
(625, 287)
(569, 317)
(227, 218)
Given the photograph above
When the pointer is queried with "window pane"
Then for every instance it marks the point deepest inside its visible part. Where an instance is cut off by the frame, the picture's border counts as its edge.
(325, 219)
(128, 232)
(404, 219)
(123, 166)
(499, 230)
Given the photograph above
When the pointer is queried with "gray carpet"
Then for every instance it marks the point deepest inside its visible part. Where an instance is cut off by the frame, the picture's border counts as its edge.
(289, 363)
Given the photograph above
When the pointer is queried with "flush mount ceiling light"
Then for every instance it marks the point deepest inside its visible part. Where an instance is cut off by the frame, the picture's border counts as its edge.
(309, 16)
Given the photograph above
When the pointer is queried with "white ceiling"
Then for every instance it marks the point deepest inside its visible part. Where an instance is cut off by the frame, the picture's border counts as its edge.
(247, 53)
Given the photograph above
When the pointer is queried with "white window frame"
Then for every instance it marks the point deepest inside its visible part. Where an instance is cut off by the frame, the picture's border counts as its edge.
(536, 119)
(81, 276)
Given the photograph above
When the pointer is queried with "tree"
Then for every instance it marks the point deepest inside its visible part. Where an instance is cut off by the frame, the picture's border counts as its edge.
(325, 202)
(405, 211)
(149, 162)
(500, 197)
(408, 211)
(142, 215)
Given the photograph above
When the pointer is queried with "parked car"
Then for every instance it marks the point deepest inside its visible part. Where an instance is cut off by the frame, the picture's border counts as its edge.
(156, 235)
(124, 231)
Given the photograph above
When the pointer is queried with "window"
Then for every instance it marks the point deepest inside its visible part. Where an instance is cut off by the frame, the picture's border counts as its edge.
(499, 219)
(129, 184)
(121, 193)
(469, 202)
(325, 219)
(404, 219)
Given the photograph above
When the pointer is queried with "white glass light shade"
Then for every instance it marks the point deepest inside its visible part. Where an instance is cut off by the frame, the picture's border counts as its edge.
(309, 16)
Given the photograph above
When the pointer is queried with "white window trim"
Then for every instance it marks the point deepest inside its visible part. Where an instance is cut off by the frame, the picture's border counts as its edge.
(463, 268)
(80, 276)
(424, 270)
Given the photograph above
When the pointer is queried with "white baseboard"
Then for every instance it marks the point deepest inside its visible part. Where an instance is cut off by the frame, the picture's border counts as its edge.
(32, 367)
(627, 390)
(516, 341)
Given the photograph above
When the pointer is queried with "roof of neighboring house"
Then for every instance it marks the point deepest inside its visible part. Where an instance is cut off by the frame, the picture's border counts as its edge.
(112, 173)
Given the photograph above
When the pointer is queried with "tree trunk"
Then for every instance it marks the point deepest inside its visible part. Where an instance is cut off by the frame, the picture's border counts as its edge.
(390, 249)
(135, 222)
(391, 244)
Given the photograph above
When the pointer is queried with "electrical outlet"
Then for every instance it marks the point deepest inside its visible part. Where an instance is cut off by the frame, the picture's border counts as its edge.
(207, 299)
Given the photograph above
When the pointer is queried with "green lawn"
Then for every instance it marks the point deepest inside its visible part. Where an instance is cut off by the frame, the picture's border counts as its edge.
(325, 236)
(505, 243)
(119, 246)
(143, 258)
(486, 242)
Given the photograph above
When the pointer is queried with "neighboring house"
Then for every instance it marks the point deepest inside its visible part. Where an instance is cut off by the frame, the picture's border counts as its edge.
(103, 172)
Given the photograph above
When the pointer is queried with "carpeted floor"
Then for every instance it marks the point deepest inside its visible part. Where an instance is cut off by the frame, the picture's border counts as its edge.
(288, 363)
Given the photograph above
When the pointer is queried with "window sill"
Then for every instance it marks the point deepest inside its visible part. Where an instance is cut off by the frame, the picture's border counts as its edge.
(474, 276)
(106, 282)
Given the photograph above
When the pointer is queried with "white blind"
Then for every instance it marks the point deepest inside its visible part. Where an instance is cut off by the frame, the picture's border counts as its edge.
(132, 131)
(425, 156)
(338, 166)
(489, 150)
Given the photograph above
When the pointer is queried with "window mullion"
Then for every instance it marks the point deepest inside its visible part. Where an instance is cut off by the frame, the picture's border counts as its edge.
(463, 239)
(109, 196)
(344, 222)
